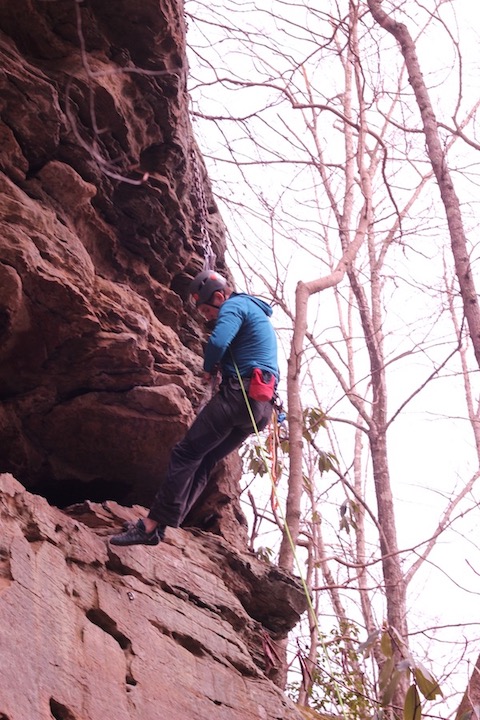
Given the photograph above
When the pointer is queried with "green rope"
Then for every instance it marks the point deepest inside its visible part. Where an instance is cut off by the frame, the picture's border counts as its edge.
(311, 609)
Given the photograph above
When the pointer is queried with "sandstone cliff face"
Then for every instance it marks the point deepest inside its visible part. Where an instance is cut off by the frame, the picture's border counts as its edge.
(100, 234)
(91, 632)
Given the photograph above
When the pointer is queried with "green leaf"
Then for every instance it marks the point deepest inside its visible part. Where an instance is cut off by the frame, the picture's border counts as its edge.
(265, 554)
(324, 462)
(427, 684)
(386, 674)
(412, 709)
(386, 645)
(315, 418)
(257, 466)
(344, 525)
(398, 637)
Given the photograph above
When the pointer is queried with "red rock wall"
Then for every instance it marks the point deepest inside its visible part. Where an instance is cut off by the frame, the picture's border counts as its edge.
(99, 236)
(93, 632)
(99, 376)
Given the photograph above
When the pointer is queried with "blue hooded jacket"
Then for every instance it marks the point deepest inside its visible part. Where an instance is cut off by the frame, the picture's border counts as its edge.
(243, 332)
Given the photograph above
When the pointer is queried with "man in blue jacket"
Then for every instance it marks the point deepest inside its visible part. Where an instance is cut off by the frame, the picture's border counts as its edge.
(243, 338)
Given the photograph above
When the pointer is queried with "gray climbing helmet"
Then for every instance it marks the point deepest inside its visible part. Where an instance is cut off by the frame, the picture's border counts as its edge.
(204, 285)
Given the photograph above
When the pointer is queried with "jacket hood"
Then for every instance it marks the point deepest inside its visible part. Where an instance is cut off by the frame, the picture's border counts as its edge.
(262, 304)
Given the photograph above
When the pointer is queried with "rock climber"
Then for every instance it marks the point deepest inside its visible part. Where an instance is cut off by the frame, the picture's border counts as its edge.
(243, 338)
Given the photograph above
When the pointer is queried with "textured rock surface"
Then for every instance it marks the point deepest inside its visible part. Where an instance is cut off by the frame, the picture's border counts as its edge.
(99, 376)
(91, 632)
(100, 234)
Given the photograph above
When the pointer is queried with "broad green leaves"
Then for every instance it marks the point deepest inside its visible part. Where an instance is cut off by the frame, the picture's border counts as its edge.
(412, 709)
(393, 671)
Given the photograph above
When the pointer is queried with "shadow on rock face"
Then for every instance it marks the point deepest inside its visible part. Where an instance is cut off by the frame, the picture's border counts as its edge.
(75, 491)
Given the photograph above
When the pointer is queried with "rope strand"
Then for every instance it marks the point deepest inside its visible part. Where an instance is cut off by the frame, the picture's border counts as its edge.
(286, 529)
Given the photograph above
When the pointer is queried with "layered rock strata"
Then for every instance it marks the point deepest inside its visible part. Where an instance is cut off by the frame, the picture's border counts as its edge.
(91, 632)
(104, 204)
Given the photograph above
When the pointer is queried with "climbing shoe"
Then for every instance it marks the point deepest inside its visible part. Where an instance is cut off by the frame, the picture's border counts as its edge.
(137, 535)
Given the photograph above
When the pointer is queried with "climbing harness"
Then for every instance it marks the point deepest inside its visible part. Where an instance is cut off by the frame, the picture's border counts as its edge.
(210, 391)
(260, 388)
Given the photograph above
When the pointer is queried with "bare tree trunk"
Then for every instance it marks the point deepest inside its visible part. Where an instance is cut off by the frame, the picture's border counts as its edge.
(469, 707)
(395, 585)
(295, 485)
(438, 160)
(303, 292)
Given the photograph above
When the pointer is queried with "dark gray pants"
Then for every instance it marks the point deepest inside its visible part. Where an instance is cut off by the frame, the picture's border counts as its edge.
(221, 427)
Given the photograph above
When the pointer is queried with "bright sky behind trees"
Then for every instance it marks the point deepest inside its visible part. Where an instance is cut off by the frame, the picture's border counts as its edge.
(288, 124)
